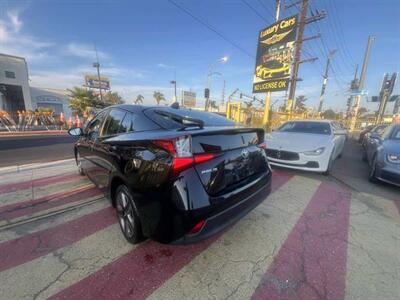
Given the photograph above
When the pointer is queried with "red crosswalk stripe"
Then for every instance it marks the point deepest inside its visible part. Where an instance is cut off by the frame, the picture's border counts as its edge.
(137, 274)
(311, 264)
(12, 187)
(24, 208)
(31, 246)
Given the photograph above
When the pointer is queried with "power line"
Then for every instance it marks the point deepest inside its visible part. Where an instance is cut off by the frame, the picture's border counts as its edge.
(211, 28)
(254, 10)
(267, 9)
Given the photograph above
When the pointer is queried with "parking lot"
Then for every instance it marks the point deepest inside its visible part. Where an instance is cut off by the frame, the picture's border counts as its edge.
(314, 237)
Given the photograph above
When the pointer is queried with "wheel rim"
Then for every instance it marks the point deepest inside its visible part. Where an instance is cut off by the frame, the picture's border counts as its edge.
(125, 214)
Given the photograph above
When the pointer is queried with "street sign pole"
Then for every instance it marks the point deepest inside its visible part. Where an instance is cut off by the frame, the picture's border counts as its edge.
(268, 95)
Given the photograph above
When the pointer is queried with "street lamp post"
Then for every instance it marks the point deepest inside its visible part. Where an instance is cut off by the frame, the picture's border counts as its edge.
(222, 60)
(174, 83)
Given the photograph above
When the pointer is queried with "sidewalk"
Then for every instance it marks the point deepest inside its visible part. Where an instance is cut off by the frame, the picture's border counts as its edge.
(33, 133)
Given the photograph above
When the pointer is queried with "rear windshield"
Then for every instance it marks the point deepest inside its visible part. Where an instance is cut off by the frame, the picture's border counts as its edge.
(171, 118)
(306, 127)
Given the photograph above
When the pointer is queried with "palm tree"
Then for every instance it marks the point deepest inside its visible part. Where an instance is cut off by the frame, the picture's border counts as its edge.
(158, 96)
(112, 98)
(139, 99)
(300, 106)
(81, 99)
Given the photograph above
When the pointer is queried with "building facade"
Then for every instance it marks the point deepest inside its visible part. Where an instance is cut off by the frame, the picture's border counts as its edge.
(14, 84)
(17, 95)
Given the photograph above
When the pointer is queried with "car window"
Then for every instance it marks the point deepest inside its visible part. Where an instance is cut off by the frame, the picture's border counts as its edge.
(306, 127)
(386, 133)
(127, 123)
(379, 129)
(168, 120)
(93, 128)
(113, 122)
(396, 133)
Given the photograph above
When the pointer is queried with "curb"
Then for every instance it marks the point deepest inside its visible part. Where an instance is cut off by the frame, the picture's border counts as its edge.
(39, 165)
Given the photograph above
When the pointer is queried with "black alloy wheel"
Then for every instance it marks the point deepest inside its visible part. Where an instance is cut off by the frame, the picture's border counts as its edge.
(127, 215)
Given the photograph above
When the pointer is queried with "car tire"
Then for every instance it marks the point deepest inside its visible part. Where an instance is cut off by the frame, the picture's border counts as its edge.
(329, 168)
(372, 172)
(78, 160)
(127, 215)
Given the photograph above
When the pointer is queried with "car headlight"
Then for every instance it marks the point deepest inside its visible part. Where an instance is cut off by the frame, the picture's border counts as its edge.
(394, 158)
(318, 151)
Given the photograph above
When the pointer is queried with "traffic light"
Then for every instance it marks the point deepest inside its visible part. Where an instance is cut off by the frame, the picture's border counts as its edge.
(241, 95)
(206, 93)
(374, 99)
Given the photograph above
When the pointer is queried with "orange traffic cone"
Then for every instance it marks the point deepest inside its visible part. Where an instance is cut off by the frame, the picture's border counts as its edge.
(70, 122)
(78, 121)
(62, 118)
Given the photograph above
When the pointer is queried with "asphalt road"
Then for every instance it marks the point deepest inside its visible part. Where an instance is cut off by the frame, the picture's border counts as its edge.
(26, 150)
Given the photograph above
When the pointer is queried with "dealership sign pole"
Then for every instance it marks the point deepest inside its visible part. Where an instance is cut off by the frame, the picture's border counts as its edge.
(274, 59)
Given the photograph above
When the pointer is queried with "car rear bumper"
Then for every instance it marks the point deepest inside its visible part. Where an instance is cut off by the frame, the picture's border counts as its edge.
(228, 216)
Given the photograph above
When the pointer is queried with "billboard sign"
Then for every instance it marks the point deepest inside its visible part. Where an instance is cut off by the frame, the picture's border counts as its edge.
(274, 56)
(92, 81)
(189, 99)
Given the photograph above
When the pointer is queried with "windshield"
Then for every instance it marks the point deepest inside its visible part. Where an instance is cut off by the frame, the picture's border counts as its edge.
(170, 118)
(306, 127)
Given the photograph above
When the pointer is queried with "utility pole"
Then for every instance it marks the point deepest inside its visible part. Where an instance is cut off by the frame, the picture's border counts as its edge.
(386, 92)
(97, 66)
(268, 95)
(223, 94)
(359, 86)
(299, 42)
(324, 83)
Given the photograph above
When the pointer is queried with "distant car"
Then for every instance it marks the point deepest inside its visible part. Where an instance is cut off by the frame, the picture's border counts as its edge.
(376, 130)
(306, 145)
(383, 155)
(364, 132)
(174, 175)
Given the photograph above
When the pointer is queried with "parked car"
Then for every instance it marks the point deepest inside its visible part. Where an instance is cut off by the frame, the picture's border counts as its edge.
(306, 145)
(383, 155)
(364, 132)
(375, 131)
(174, 175)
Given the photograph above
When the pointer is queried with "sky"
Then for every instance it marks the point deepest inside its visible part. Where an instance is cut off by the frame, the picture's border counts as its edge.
(143, 45)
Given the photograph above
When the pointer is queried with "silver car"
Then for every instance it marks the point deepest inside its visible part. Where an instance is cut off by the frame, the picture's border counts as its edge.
(383, 155)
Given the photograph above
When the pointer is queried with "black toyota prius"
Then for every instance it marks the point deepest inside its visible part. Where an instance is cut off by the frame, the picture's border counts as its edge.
(174, 175)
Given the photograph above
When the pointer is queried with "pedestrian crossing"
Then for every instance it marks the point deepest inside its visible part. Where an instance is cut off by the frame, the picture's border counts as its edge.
(310, 239)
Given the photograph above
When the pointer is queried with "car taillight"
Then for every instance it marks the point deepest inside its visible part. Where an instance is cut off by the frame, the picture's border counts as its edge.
(196, 228)
(263, 145)
(181, 150)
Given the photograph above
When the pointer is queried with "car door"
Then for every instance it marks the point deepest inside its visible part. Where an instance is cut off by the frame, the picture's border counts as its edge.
(104, 152)
(91, 133)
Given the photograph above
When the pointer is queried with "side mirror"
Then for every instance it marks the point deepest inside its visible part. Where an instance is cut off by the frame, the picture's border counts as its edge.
(75, 131)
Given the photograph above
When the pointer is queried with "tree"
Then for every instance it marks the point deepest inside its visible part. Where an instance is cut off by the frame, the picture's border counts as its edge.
(213, 104)
(329, 114)
(158, 96)
(300, 106)
(139, 99)
(81, 99)
(112, 98)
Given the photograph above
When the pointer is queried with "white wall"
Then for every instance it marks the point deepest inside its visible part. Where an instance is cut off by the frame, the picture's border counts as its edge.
(19, 67)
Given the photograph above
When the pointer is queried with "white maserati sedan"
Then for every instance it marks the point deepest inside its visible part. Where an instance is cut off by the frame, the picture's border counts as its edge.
(307, 145)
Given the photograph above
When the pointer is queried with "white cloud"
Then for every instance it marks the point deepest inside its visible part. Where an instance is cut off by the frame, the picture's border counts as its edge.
(165, 66)
(84, 50)
(14, 43)
(16, 23)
